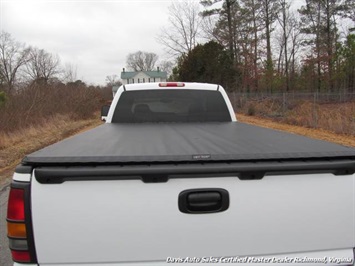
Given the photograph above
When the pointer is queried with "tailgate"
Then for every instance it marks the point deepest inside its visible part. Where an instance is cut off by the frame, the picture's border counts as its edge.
(112, 218)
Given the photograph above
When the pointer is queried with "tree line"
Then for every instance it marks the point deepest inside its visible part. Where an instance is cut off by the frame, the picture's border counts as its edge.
(35, 87)
(264, 45)
(22, 65)
(29, 70)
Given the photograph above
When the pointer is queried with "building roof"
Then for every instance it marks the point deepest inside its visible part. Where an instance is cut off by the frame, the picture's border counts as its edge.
(152, 74)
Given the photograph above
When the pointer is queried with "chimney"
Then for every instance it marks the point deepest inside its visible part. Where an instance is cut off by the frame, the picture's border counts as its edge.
(158, 69)
(124, 70)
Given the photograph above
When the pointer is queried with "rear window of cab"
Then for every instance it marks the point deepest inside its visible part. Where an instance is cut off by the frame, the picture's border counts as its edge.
(169, 105)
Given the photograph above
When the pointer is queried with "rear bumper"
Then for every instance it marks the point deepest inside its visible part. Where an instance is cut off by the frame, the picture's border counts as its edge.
(328, 257)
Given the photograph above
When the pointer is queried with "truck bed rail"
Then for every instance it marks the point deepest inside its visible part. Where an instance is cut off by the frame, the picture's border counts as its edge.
(149, 173)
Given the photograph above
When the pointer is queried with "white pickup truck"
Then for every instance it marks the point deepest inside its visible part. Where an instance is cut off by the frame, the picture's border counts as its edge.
(172, 177)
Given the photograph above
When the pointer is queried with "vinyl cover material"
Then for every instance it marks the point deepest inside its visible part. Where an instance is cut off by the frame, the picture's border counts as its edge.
(183, 142)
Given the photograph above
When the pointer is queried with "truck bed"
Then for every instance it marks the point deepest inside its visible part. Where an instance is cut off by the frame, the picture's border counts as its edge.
(184, 142)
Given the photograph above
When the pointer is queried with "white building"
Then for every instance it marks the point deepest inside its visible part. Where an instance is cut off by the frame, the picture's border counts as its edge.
(129, 77)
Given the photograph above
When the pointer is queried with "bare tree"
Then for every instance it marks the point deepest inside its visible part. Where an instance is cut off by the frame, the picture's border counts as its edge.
(13, 55)
(183, 31)
(270, 10)
(207, 26)
(319, 21)
(141, 61)
(166, 66)
(70, 73)
(113, 80)
(284, 20)
(269, 13)
(252, 28)
(295, 47)
(42, 65)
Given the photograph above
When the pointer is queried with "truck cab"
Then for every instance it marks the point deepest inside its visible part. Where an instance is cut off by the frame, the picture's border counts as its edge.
(169, 102)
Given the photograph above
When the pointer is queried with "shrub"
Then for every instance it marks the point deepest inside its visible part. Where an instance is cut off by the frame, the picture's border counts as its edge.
(251, 110)
(2, 98)
(37, 103)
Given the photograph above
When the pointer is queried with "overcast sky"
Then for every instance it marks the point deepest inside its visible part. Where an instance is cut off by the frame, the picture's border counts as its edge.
(96, 36)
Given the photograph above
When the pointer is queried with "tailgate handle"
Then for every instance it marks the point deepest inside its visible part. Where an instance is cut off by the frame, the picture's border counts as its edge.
(207, 200)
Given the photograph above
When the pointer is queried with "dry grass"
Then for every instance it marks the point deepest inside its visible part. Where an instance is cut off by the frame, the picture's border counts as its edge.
(339, 118)
(14, 146)
(38, 104)
(343, 139)
(335, 117)
(44, 113)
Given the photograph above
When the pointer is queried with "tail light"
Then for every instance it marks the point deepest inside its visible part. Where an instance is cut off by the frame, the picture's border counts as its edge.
(19, 229)
(16, 207)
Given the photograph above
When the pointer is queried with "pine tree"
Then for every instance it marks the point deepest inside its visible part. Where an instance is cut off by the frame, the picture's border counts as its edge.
(225, 11)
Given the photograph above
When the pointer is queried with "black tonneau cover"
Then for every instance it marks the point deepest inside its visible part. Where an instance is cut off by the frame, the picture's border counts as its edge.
(184, 142)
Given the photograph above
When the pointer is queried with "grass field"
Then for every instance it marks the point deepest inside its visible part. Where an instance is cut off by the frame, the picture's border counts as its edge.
(323, 112)
(343, 139)
(14, 146)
